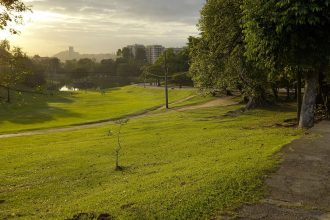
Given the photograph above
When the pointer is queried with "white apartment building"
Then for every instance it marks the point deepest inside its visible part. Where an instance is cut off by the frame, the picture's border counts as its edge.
(153, 52)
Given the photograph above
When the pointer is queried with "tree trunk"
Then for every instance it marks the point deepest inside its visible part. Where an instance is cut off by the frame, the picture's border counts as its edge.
(275, 92)
(288, 91)
(254, 102)
(309, 101)
(299, 98)
(8, 95)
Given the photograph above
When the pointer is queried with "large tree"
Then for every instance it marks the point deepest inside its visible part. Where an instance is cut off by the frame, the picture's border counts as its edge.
(290, 33)
(217, 56)
(14, 66)
(11, 13)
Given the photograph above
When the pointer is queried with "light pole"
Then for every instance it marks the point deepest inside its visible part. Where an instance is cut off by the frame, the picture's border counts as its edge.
(166, 80)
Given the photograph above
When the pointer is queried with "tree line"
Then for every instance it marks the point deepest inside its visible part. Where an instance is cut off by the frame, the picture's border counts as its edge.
(18, 72)
(257, 46)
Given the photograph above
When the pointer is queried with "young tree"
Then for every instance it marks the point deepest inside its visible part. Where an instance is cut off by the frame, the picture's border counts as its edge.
(290, 33)
(118, 149)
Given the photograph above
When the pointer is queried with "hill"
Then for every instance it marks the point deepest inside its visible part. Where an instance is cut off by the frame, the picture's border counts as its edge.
(72, 55)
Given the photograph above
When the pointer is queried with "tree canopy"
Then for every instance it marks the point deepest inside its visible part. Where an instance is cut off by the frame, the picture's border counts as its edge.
(218, 61)
(11, 13)
(294, 34)
(258, 45)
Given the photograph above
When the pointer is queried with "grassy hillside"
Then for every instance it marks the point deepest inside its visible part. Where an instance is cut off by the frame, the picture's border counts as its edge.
(34, 112)
(178, 165)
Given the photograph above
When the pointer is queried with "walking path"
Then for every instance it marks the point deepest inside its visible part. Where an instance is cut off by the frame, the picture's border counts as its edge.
(217, 102)
(300, 188)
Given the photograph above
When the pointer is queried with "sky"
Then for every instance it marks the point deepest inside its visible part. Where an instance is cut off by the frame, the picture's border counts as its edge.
(103, 26)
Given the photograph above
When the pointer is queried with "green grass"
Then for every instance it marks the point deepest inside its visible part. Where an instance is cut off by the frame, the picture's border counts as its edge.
(198, 99)
(178, 165)
(35, 112)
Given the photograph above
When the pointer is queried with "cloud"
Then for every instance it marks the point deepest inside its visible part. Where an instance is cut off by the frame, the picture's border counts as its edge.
(156, 10)
(103, 26)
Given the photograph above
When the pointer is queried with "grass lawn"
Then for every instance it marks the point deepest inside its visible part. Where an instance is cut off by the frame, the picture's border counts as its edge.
(34, 112)
(178, 165)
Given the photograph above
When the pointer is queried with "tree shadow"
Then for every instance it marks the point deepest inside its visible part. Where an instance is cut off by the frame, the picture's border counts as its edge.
(34, 109)
(280, 107)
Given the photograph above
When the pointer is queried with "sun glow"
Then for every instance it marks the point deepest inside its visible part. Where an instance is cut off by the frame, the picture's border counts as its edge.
(35, 17)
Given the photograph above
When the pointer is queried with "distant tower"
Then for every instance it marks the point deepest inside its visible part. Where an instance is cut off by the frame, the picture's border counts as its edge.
(71, 52)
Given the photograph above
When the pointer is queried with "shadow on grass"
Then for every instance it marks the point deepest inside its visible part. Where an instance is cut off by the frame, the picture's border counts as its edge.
(33, 109)
(280, 107)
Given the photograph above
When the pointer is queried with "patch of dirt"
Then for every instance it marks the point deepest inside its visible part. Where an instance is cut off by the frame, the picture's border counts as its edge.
(105, 217)
(225, 101)
(300, 188)
(91, 216)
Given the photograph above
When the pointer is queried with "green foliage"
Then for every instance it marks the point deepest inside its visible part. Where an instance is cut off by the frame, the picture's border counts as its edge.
(126, 53)
(128, 70)
(180, 165)
(14, 65)
(292, 33)
(140, 56)
(218, 61)
(152, 72)
(107, 67)
(11, 12)
(254, 45)
(176, 62)
(177, 65)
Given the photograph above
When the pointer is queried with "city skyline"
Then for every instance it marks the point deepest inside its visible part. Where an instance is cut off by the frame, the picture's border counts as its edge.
(104, 27)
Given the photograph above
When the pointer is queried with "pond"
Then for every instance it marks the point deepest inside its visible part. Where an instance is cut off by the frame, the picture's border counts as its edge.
(66, 88)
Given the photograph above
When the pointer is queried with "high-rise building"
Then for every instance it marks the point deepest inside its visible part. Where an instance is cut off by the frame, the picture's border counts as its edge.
(71, 52)
(153, 52)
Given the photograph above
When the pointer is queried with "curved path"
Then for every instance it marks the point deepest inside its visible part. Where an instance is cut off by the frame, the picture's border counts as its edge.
(300, 188)
(226, 101)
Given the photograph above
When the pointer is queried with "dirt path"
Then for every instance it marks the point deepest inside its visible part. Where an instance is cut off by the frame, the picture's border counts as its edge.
(226, 101)
(300, 188)
(218, 102)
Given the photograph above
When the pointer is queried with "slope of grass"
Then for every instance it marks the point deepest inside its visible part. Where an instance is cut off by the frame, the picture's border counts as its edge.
(34, 112)
(188, 165)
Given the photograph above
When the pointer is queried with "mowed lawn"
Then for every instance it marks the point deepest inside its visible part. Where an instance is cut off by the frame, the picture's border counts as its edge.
(67, 108)
(178, 165)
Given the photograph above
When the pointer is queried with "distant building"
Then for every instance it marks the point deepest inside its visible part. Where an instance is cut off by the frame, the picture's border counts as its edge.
(71, 53)
(134, 48)
(153, 52)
